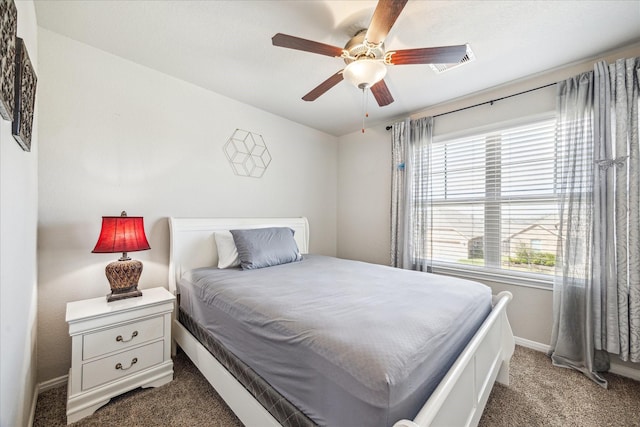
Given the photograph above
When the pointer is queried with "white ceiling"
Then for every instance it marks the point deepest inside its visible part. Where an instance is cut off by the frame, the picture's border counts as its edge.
(225, 46)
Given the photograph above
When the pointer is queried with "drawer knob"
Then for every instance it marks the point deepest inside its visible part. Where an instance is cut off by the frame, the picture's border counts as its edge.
(133, 335)
(133, 362)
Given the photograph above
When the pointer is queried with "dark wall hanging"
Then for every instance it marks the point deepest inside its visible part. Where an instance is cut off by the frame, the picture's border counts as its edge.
(8, 25)
(25, 96)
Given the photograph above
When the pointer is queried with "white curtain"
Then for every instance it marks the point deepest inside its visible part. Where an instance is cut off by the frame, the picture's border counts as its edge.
(597, 285)
(410, 160)
(572, 335)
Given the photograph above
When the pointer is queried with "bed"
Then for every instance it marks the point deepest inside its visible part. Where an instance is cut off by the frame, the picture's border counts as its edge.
(251, 387)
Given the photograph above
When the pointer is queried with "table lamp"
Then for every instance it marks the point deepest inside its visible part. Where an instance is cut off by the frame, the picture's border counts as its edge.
(122, 234)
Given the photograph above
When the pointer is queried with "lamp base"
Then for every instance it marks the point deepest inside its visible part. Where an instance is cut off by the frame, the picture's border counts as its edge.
(118, 294)
(123, 277)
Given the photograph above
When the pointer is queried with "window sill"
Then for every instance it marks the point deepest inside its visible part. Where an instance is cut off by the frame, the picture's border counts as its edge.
(537, 281)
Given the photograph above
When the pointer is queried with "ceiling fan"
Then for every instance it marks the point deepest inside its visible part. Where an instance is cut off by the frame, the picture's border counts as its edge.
(366, 57)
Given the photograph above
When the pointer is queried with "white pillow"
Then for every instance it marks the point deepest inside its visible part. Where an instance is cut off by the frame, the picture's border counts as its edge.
(227, 252)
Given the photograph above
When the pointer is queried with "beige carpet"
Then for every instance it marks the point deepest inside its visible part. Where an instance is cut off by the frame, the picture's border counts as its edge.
(539, 395)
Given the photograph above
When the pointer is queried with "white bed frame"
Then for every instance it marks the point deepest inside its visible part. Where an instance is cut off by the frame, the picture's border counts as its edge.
(459, 399)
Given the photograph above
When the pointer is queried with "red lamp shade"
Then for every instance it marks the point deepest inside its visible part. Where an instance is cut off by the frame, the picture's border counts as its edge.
(121, 234)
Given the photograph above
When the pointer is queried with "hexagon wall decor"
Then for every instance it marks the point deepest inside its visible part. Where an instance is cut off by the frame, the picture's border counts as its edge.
(247, 153)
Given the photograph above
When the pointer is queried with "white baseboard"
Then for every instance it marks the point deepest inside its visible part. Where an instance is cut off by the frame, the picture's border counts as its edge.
(624, 371)
(533, 345)
(52, 383)
(32, 410)
(615, 368)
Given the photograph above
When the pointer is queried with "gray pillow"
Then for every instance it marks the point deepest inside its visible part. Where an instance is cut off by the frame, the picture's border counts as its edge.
(264, 247)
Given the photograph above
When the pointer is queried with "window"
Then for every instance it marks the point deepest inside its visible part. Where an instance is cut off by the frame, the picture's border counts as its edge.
(492, 200)
(536, 245)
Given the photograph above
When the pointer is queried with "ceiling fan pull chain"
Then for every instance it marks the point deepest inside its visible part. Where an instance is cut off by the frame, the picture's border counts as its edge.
(366, 103)
(364, 106)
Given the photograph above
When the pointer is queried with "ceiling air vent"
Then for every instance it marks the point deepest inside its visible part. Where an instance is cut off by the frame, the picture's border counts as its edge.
(441, 68)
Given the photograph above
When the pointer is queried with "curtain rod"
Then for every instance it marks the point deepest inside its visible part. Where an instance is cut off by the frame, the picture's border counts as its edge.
(490, 102)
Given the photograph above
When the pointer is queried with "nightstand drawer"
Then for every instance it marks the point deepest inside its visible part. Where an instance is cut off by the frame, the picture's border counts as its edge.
(121, 364)
(121, 337)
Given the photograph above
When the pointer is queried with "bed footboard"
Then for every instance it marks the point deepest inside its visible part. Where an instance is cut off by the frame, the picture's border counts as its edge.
(463, 393)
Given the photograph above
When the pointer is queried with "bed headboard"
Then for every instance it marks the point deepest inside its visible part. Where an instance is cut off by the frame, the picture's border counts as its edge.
(192, 244)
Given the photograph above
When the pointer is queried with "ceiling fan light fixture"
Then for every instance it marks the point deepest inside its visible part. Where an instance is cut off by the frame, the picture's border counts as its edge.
(364, 73)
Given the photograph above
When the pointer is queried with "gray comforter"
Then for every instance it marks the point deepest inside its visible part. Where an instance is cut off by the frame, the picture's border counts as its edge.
(349, 343)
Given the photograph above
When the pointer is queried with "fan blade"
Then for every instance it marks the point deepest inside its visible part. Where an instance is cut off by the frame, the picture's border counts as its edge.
(292, 42)
(385, 15)
(381, 93)
(324, 86)
(428, 55)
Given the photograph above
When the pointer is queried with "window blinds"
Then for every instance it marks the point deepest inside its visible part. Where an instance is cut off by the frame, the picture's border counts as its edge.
(492, 199)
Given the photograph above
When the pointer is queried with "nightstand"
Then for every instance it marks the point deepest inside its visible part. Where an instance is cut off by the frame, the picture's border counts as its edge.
(116, 347)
